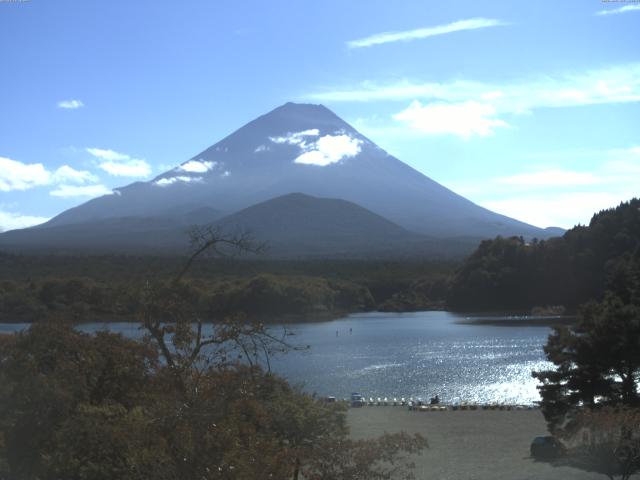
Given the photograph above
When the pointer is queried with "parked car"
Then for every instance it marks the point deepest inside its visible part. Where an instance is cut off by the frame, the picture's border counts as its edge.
(545, 448)
(357, 400)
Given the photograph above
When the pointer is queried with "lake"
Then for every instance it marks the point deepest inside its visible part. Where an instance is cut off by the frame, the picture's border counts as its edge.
(417, 354)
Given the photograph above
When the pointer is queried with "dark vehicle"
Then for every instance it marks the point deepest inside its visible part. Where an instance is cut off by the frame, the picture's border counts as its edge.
(357, 400)
(545, 448)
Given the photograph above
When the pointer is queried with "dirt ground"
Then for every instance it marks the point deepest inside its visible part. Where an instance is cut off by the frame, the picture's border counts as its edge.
(468, 445)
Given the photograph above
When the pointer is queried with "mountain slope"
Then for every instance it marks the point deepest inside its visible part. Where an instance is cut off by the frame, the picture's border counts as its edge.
(290, 226)
(294, 148)
(298, 224)
(137, 234)
(308, 149)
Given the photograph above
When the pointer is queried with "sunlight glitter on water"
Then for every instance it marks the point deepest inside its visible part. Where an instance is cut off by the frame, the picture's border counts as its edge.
(420, 355)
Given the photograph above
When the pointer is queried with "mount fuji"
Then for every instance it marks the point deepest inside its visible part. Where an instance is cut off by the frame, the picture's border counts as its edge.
(296, 148)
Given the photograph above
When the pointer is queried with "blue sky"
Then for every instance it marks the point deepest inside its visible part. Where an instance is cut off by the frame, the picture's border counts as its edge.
(528, 108)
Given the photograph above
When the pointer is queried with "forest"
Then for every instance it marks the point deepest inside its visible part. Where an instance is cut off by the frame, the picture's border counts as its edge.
(503, 274)
(108, 288)
(567, 271)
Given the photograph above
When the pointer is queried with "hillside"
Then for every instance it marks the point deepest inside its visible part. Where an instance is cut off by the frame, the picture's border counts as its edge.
(298, 225)
(290, 226)
(511, 273)
(151, 235)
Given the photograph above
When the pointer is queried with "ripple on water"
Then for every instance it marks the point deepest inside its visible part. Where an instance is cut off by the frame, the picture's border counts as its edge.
(424, 354)
(417, 354)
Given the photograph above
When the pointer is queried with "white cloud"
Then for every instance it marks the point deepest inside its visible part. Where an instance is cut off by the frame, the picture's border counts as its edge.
(15, 175)
(463, 119)
(106, 154)
(163, 182)
(120, 164)
(558, 208)
(616, 84)
(550, 178)
(437, 108)
(614, 11)
(70, 104)
(12, 221)
(66, 191)
(261, 148)
(408, 35)
(322, 151)
(329, 149)
(560, 196)
(297, 138)
(196, 166)
(130, 168)
(69, 174)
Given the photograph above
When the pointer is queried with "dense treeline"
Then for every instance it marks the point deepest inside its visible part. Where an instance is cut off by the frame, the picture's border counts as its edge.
(264, 296)
(106, 288)
(502, 274)
(382, 275)
(511, 273)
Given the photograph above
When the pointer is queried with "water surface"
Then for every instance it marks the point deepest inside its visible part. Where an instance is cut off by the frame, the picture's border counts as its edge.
(417, 354)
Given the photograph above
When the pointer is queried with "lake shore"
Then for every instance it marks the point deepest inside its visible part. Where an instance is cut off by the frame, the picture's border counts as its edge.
(520, 321)
(496, 319)
(280, 319)
(467, 445)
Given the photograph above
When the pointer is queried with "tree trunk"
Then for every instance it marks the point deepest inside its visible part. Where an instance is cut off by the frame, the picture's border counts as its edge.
(296, 471)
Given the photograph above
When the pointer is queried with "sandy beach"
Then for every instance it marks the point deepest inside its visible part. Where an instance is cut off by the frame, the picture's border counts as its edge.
(468, 445)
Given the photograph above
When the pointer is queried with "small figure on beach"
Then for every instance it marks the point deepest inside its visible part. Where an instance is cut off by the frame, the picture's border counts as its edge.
(350, 330)
(336, 333)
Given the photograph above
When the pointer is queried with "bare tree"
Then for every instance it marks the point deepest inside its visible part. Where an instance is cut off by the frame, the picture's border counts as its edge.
(312, 436)
(171, 316)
